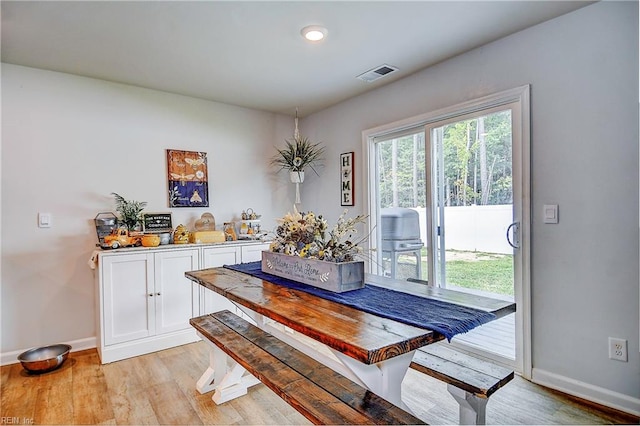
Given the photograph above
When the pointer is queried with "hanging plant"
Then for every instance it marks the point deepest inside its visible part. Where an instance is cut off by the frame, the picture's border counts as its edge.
(129, 211)
(299, 153)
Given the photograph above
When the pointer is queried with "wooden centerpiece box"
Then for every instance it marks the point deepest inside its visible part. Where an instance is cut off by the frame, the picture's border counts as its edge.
(332, 276)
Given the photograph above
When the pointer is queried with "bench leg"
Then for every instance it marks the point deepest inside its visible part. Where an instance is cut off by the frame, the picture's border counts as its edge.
(216, 371)
(234, 384)
(472, 408)
(224, 375)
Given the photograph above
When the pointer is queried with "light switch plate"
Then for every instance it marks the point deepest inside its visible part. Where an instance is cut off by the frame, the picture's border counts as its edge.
(44, 220)
(550, 213)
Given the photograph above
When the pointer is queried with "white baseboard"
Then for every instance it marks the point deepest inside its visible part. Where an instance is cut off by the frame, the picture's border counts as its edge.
(7, 358)
(137, 347)
(587, 391)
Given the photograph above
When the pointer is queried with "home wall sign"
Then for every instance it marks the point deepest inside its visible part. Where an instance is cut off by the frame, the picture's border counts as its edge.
(346, 179)
(187, 177)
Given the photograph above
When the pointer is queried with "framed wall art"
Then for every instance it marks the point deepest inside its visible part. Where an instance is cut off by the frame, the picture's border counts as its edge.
(188, 178)
(346, 179)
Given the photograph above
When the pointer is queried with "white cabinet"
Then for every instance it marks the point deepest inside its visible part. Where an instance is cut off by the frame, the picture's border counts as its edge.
(145, 301)
(252, 253)
(213, 257)
(177, 298)
(217, 256)
(126, 303)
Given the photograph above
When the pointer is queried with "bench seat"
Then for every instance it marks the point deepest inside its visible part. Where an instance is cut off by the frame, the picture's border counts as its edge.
(317, 392)
(471, 381)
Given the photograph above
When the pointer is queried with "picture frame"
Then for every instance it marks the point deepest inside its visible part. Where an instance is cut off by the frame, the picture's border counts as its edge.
(156, 223)
(347, 189)
(187, 177)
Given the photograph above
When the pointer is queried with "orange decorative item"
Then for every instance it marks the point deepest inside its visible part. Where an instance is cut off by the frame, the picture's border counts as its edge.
(151, 240)
(181, 235)
(205, 237)
(121, 237)
(230, 231)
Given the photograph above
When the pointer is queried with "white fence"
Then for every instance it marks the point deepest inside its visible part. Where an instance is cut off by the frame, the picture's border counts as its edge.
(474, 228)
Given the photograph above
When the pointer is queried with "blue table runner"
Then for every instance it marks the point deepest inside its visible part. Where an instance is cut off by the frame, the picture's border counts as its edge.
(445, 318)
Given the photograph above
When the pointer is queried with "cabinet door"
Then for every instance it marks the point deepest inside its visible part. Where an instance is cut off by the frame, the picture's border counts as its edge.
(176, 297)
(214, 257)
(128, 309)
(253, 252)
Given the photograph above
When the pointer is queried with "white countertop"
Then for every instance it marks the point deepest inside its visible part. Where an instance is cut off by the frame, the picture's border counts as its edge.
(102, 251)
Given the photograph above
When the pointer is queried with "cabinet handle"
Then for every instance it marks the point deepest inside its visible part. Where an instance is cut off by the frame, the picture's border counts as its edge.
(157, 294)
(150, 294)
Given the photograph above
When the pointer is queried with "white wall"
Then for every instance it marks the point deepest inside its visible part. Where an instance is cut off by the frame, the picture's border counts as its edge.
(583, 71)
(67, 143)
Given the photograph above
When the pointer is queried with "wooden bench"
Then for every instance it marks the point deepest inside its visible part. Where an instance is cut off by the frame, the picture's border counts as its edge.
(471, 381)
(317, 392)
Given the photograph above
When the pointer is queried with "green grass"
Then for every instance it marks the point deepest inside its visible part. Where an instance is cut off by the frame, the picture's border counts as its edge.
(487, 272)
(493, 275)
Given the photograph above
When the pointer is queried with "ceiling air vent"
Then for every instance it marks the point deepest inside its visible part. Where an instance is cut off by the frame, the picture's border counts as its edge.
(377, 72)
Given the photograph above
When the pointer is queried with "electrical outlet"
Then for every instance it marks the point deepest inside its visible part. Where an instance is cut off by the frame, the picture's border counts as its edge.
(617, 349)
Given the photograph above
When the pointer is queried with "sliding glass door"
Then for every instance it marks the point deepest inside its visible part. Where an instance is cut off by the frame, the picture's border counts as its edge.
(471, 187)
(462, 175)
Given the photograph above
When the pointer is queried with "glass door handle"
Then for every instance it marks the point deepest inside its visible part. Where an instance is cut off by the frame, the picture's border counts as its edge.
(516, 235)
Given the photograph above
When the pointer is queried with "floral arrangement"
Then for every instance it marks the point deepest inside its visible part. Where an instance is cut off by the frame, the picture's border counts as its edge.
(306, 235)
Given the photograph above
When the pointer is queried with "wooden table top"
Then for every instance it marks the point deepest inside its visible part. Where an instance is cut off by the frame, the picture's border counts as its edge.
(360, 335)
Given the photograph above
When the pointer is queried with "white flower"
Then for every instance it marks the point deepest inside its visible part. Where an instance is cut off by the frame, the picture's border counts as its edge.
(304, 235)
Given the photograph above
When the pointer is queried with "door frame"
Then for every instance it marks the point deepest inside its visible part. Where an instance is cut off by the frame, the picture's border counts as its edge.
(521, 191)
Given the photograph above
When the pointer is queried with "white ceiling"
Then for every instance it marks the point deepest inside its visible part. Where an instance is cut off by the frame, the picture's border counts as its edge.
(251, 53)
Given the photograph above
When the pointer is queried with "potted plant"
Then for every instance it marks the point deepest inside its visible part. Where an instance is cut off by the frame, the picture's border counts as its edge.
(299, 153)
(129, 211)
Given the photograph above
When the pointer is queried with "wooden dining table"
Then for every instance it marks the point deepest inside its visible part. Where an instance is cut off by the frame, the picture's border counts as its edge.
(371, 350)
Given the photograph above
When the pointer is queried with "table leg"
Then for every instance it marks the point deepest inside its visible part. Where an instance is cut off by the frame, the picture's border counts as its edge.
(384, 378)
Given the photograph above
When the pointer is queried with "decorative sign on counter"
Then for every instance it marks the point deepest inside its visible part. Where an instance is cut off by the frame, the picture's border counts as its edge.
(156, 223)
(332, 276)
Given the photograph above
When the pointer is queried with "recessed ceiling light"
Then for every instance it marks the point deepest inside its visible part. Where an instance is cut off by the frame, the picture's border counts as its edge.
(314, 33)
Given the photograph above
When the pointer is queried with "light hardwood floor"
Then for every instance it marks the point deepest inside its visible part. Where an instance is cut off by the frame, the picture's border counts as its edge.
(159, 388)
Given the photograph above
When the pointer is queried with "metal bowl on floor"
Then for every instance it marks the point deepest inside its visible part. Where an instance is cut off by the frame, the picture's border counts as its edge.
(46, 358)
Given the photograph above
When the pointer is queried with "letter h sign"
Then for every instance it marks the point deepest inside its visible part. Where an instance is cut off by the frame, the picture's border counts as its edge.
(346, 179)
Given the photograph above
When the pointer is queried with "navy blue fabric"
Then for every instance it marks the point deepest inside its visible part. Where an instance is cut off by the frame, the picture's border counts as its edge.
(445, 318)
